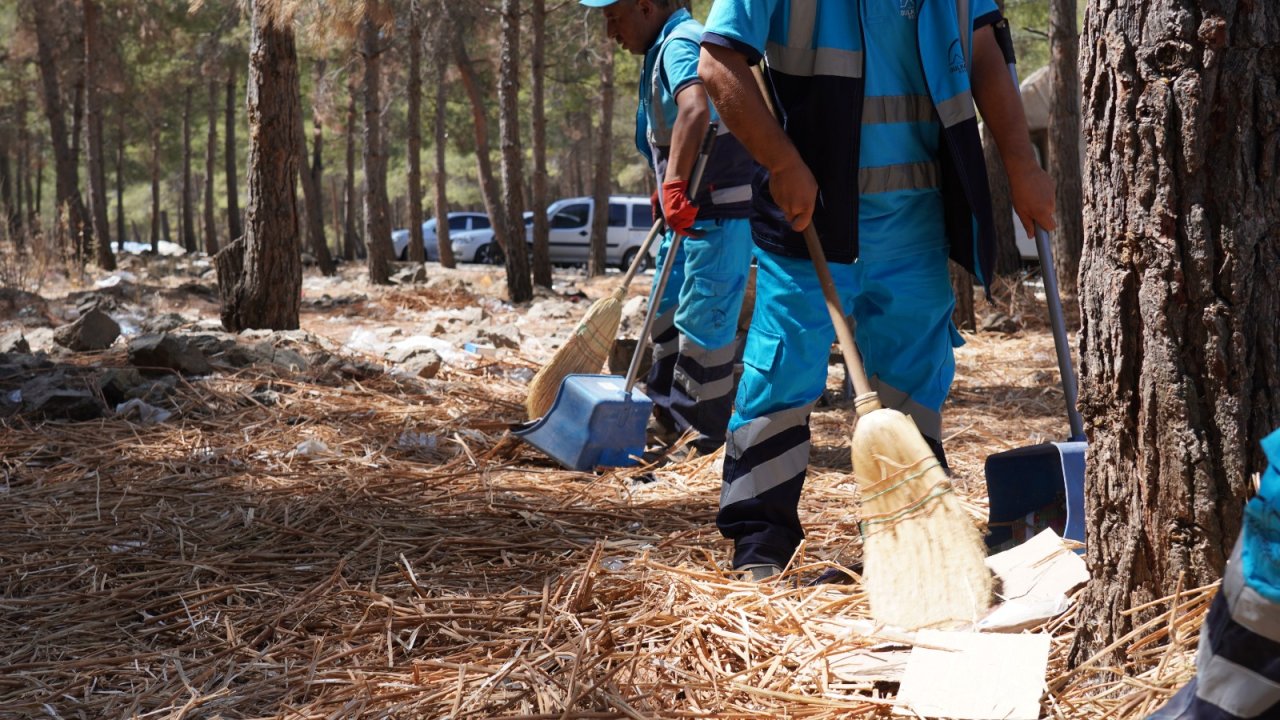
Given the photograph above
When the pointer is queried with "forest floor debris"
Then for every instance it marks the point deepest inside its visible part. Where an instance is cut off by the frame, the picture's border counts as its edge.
(338, 537)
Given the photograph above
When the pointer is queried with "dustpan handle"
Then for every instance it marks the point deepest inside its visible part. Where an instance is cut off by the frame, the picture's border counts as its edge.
(695, 184)
(1061, 344)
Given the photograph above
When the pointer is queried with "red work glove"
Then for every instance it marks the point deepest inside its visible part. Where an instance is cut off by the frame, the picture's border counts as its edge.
(677, 208)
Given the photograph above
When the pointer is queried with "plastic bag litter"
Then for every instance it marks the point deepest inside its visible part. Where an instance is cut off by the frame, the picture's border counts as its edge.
(413, 440)
(310, 448)
(146, 414)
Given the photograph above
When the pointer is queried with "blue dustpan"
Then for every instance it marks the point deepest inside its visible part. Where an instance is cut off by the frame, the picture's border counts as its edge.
(594, 421)
(1041, 486)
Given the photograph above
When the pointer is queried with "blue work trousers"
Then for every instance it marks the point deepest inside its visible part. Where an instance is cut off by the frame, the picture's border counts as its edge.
(902, 313)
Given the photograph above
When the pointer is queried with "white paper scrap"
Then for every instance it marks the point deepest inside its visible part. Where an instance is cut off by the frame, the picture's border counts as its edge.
(978, 677)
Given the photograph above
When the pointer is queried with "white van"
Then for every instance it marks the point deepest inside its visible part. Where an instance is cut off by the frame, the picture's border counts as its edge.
(630, 218)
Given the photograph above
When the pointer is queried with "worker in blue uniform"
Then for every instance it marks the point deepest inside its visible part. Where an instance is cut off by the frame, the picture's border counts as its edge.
(694, 347)
(1238, 662)
(876, 143)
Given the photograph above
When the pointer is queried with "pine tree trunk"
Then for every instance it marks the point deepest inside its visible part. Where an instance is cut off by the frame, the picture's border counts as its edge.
(188, 202)
(326, 261)
(210, 165)
(417, 251)
(155, 190)
(541, 227)
(84, 238)
(1064, 142)
(235, 228)
(519, 284)
(10, 216)
(350, 237)
(603, 184)
(120, 185)
(311, 190)
(442, 175)
(1008, 258)
(22, 173)
(1180, 347)
(377, 210)
(480, 121)
(264, 291)
(67, 182)
(97, 185)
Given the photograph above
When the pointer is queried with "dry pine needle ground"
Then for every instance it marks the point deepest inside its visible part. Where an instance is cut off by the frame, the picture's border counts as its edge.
(421, 564)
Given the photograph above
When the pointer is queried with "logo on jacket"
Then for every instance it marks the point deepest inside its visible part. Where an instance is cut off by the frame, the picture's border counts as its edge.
(907, 9)
(955, 57)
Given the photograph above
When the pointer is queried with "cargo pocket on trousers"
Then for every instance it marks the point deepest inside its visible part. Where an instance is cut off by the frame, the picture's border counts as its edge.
(711, 293)
(762, 349)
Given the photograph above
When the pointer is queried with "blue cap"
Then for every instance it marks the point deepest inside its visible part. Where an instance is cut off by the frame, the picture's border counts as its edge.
(597, 3)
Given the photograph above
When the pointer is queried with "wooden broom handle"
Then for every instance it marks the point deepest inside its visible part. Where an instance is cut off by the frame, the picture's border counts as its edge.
(865, 399)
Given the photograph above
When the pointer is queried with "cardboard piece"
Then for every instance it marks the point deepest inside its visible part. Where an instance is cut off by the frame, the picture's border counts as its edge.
(978, 676)
(1036, 579)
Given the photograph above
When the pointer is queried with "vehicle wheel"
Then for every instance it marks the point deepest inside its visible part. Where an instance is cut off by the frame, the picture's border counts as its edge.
(490, 254)
(630, 257)
(404, 254)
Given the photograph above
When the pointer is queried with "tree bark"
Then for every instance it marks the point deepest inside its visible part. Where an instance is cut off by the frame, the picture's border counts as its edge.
(155, 190)
(377, 210)
(350, 238)
(1064, 142)
(22, 173)
(311, 191)
(1008, 258)
(10, 215)
(266, 290)
(480, 121)
(97, 185)
(541, 228)
(417, 252)
(596, 264)
(210, 164)
(67, 180)
(188, 203)
(519, 284)
(1181, 351)
(120, 184)
(443, 242)
(235, 228)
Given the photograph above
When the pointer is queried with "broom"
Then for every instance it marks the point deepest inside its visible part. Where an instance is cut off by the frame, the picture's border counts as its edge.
(923, 557)
(588, 346)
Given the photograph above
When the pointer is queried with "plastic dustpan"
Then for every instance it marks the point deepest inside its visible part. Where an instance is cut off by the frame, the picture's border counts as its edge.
(601, 419)
(1041, 486)
(593, 421)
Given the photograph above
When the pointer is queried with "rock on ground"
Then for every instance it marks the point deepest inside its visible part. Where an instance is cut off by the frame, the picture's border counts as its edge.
(95, 330)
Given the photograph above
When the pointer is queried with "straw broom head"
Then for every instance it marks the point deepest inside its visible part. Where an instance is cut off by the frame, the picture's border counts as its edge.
(922, 553)
(584, 352)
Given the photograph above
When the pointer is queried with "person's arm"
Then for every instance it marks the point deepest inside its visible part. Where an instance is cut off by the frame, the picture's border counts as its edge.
(692, 116)
(1001, 108)
(729, 81)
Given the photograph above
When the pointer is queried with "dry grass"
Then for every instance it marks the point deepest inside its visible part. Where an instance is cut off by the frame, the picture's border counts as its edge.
(428, 566)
